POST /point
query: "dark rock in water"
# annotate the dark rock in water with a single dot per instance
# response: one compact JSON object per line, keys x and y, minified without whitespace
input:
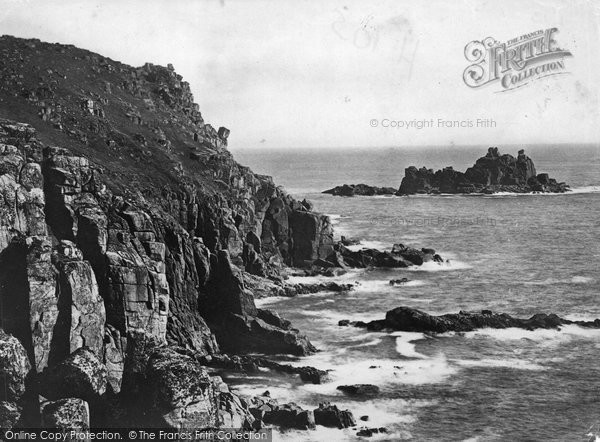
{"x":66,"y":414}
{"x":360,"y":389}
{"x":290,"y":416}
{"x":330,"y":415}
{"x":400,"y":256}
{"x":81,"y":376}
{"x":364,"y":418}
{"x":490,"y":174}
{"x":397,"y":282}
{"x":273,"y":318}
{"x":360,"y":190}
{"x":238,"y":333}
{"x":344,"y":322}
{"x":413,"y":320}
{"x":252,"y":364}
{"x":369,"y":432}
{"x":349,"y":241}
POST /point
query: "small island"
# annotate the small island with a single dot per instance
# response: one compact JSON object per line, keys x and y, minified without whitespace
{"x":491,"y":173}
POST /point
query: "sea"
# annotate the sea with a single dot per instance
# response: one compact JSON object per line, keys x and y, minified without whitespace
{"x":516,"y":254}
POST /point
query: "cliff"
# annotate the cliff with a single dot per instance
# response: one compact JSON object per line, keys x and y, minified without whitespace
{"x":126,"y":225}
{"x":492,"y":173}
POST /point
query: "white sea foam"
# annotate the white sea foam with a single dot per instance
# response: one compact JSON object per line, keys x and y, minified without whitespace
{"x":445,"y":266}
{"x":543,"y":337}
{"x":405,"y":344}
{"x":370,"y":244}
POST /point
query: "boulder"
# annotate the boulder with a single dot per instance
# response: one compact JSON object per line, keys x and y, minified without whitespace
{"x":70,"y":414}
{"x":81,"y":375}
{"x":359,"y":389}
{"x":290,"y":416}
{"x":10,"y":413}
{"x":180,"y":393}
{"x":14,"y":368}
{"x":329,"y":415}
{"x":359,"y":190}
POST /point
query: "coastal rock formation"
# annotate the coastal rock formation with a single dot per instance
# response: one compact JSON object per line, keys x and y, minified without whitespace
{"x":413,"y":320}
{"x":181,"y":394}
{"x":400,"y":256}
{"x":359,"y":190}
{"x":330,"y":415}
{"x":66,"y":414}
{"x":257,"y":364}
{"x":359,"y":389}
{"x":126,"y":226}
{"x":490,"y":174}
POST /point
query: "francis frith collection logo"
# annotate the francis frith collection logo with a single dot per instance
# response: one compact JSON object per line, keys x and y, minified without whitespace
{"x":516,"y":62}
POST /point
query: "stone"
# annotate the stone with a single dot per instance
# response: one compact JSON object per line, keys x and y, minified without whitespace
{"x":329,"y":415}
{"x":491,"y":173}
{"x":413,"y":320}
{"x":182,"y":394}
{"x":70,"y":414}
{"x":290,"y":416}
{"x":359,"y":189}
{"x":10,"y":413}
{"x":14,"y":368}
{"x":82,"y":375}
{"x":359,"y":389}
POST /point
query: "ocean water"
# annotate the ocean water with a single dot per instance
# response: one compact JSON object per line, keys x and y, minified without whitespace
{"x":519,"y":254}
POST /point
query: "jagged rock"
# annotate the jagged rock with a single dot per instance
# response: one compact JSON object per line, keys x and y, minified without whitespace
{"x":81,"y":309}
{"x":290,"y":416}
{"x":227,"y":293}
{"x":330,"y":415}
{"x":237,"y":333}
{"x":10,"y":413}
{"x":360,"y":189}
{"x":43,"y":300}
{"x":122,"y":208}
{"x":14,"y":368}
{"x":273,"y":318}
{"x":253,"y":364}
{"x":413,"y":320}
{"x":70,"y":414}
{"x":114,"y":357}
{"x":492,"y":173}
{"x":369,"y":432}
{"x":398,"y":282}
{"x":312,"y":237}
{"x":360,"y":389}
{"x":182,"y":394}
{"x":81,"y":375}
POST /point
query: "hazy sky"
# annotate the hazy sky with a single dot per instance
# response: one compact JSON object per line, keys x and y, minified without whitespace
{"x":314,"y":74}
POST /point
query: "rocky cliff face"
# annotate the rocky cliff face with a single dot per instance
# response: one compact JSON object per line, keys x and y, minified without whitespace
{"x":492,"y":173}
{"x":125,"y":225}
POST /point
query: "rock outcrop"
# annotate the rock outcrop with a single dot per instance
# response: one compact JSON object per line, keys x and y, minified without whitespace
{"x":359,"y":190}
{"x":490,"y":174}
{"x":400,"y":256}
{"x":413,"y":320}
{"x":127,"y":226}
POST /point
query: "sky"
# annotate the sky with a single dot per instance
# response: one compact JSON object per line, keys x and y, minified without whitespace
{"x":335,"y":74}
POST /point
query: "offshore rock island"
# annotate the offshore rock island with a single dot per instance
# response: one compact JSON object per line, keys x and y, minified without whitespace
{"x":132,"y":247}
{"x":490,"y":174}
